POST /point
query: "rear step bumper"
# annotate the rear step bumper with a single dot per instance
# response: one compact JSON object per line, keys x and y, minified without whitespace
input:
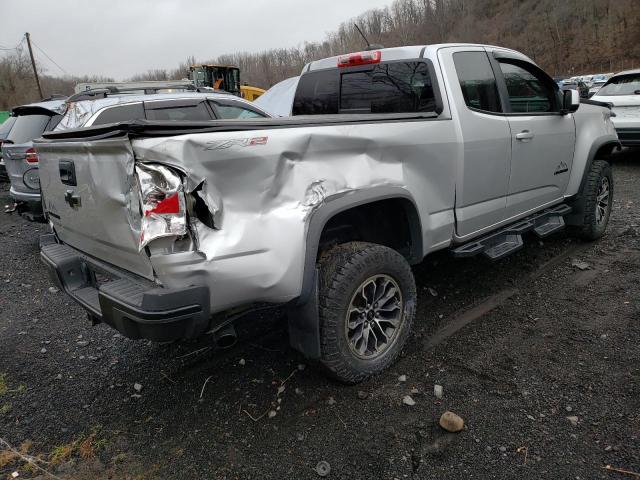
{"x":135,"y":309}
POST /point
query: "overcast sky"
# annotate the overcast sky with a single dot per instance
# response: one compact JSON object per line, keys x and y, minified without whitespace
{"x":120,"y":38}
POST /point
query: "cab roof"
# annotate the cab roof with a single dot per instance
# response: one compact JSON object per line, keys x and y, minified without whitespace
{"x":408,"y":53}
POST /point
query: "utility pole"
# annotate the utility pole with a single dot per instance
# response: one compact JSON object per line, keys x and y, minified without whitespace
{"x":33,"y":64}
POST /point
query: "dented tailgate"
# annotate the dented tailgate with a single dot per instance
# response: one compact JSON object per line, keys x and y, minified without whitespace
{"x":91,"y":195}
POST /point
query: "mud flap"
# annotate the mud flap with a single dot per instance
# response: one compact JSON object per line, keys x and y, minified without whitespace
{"x":304,"y":324}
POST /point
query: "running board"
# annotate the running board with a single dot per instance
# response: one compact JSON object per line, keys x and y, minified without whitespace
{"x":499,"y":244}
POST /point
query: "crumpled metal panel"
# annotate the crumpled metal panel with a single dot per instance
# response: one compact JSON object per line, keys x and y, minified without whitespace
{"x":262,"y":186}
{"x":77,"y":113}
{"x":106,"y":223}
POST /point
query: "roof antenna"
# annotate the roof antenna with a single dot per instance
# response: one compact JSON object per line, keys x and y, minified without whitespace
{"x":370,"y":46}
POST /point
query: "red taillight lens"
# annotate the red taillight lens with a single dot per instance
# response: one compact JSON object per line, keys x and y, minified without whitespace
{"x":359,"y":58}
{"x":162,"y":201}
{"x":168,"y":206}
{"x":31,"y":156}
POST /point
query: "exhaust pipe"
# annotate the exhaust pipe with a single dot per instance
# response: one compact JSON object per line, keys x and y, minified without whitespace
{"x":226,"y":337}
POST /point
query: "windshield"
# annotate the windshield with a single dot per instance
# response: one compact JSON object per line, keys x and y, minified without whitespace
{"x":622,"y":85}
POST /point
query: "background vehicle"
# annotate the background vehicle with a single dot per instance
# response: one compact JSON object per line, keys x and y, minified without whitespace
{"x":595,"y":87}
{"x":390,"y":155}
{"x":141,"y":87}
{"x":251,"y":93}
{"x":223,"y":77}
{"x":623,"y":91}
{"x":278,"y":100}
{"x":97,"y":107}
{"x":19,"y":156}
{"x":578,"y":85}
{"x":5,"y":128}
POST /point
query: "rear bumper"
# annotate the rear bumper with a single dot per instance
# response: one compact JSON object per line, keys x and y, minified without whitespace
{"x":134,"y":307}
{"x":33,"y":199}
{"x":629,"y":137}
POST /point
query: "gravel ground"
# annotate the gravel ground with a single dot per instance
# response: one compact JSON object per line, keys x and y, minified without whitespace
{"x":518,"y":347}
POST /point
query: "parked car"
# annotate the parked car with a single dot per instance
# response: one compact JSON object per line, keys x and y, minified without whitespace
{"x":389,"y":155}
{"x":578,"y":85}
{"x":102,"y":106}
{"x":278,"y":100}
{"x":5,"y":128}
{"x":623,"y":92}
{"x":596,"y":86}
{"x":20,"y":157}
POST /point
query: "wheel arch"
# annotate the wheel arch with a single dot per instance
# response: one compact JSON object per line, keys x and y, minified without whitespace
{"x":599,"y":150}
{"x":303,"y":322}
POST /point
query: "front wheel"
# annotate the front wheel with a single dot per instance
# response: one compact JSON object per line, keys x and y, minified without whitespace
{"x":367,"y":304}
{"x":598,"y":194}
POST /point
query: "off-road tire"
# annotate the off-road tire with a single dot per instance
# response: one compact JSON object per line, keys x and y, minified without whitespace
{"x":589,"y":228}
{"x":343,"y":269}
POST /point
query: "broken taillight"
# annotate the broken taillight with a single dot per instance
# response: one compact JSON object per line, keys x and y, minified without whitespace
{"x":31,"y":156}
{"x":359,"y":58}
{"x":162,"y":203}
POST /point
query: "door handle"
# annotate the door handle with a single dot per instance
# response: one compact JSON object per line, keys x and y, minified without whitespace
{"x":524,"y":136}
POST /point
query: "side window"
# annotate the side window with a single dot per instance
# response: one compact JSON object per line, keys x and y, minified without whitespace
{"x":477,"y":81}
{"x":122,"y":113}
{"x":177,"y":111}
{"x":528,"y":93}
{"x":233,"y":111}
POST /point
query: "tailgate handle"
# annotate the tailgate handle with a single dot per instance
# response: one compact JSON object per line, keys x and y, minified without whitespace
{"x":67,"y":172}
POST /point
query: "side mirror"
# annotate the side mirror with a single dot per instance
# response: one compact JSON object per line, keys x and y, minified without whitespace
{"x":570,"y":101}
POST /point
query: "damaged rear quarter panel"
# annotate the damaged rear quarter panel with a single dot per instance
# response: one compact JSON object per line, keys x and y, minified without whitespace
{"x":265,"y":184}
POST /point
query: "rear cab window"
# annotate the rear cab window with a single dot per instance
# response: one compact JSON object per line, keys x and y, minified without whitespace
{"x":394,"y":87}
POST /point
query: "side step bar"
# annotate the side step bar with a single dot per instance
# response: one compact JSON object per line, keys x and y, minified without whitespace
{"x":499,"y":244}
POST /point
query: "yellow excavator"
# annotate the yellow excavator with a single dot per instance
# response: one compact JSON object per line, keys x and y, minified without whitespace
{"x":223,"y":77}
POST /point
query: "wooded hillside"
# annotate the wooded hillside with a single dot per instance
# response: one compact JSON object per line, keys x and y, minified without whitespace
{"x":565,"y":37}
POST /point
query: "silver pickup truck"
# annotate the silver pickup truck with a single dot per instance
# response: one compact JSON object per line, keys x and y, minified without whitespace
{"x":170,"y":230}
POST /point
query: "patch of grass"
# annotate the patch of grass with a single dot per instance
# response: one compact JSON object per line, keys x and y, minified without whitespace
{"x":62,"y":453}
{"x":5,"y":408}
{"x":4,"y":386}
{"x":84,"y":447}
{"x":7,"y":457}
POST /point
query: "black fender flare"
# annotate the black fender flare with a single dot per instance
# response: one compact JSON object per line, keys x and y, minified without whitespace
{"x":577,"y":201}
{"x":303,"y":322}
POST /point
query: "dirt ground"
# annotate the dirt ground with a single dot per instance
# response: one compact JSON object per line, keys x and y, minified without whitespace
{"x":518,"y":346}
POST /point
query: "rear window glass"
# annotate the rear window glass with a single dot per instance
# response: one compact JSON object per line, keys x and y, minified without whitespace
{"x":120,"y":113}
{"x":396,"y":87}
{"x":317,"y":93}
{"x":193,"y":112}
{"x":389,"y":88}
{"x":5,"y":128}
{"x":232,"y":111}
{"x":622,"y":85}
{"x":28,"y":127}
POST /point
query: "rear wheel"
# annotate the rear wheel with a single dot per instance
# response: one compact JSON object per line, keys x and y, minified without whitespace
{"x":598,"y":194}
{"x":367,"y":302}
